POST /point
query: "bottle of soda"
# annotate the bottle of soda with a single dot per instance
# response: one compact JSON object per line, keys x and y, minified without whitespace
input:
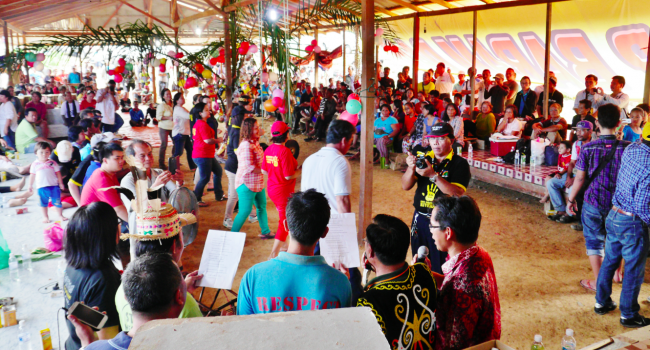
{"x":517,"y":158}
{"x":523,"y":159}
{"x":568,"y":341}
{"x":13,"y":268}
{"x":537,"y":345}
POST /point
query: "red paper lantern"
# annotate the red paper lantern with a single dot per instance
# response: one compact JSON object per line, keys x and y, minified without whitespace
{"x":386,"y":48}
{"x":118,"y":70}
{"x":314,"y":42}
{"x":180,"y":55}
{"x":118,"y":78}
{"x":111,"y":72}
{"x":213,"y":61}
{"x":309,"y":48}
{"x":121,"y":62}
{"x":199,"y":68}
{"x":395,"y":48}
{"x":221,"y":59}
{"x":162,"y":68}
{"x":31,"y":64}
{"x":245,"y":45}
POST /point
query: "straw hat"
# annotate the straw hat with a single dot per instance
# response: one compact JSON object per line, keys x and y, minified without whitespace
{"x":159,"y":223}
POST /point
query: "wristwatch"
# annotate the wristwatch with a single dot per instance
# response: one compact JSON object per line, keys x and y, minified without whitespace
{"x":434,"y":178}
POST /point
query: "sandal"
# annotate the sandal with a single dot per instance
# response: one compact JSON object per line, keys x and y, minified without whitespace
{"x":202,"y":204}
{"x":266,"y":236}
{"x":223,"y":198}
{"x":554,"y":217}
{"x":585,"y":284}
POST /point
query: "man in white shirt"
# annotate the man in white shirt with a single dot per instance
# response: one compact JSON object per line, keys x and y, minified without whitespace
{"x":444,"y":80}
{"x":328,"y":172}
{"x":485,"y":83}
{"x":161,"y":182}
{"x":8,"y":119}
{"x":70,"y":110}
{"x":589,"y":93}
{"x":107,"y":104}
{"x":617,"y":97}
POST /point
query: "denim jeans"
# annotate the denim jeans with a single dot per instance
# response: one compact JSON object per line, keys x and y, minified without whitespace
{"x":627,"y":239}
{"x":555,"y":189}
{"x":183,"y":142}
{"x":593,"y":228}
{"x":114,"y":128}
{"x":206,"y":167}
{"x":10,"y":138}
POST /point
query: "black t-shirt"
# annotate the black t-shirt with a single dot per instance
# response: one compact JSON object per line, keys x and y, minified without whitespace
{"x":233,"y":143}
{"x":549,"y":122}
{"x":456,"y":171}
{"x":555,"y":97}
{"x":94,"y":288}
{"x":498,"y":95}
{"x":80,"y":174}
{"x":403,"y":86}
{"x":306,"y":98}
{"x":387,"y":82}
{"x":589,"y":117}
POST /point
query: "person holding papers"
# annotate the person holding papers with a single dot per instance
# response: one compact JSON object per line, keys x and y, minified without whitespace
{"x":297,"y":279}
{"x":328,"y":172}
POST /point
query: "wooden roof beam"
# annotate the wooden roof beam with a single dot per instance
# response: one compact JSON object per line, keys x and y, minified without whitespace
{"x":7,"y":15}
{"x":41,"y":16}
{"x":242,"y":3}
{"x":145,"y":13}
{"x":186,"y":20}
{"x":56,"y":16}
{"x":407,"y":4}
{"x":112,"y":15}
{"x":443,"y":3}
{"x":214,"y":7}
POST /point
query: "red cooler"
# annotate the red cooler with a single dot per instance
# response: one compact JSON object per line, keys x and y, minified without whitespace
{"x":500,"y":148}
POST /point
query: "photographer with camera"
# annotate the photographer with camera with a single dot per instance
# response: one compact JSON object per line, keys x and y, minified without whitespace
{"x":438,"y":172}
{"x":107,"y":105}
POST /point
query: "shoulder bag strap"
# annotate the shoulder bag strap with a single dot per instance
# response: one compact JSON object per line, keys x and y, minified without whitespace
{"x":601,"y":166}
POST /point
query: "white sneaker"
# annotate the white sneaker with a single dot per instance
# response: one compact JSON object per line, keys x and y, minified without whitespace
{"x":227,"y":223}
{"x":252,"y":219}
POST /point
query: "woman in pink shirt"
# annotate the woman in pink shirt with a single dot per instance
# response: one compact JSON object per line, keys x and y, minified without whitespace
{"x":41,"y":108}
{"x":203,"y":151}
{"x":249,"y":179}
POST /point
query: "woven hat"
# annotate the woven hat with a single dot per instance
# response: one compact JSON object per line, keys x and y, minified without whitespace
{"x":159,"y":223}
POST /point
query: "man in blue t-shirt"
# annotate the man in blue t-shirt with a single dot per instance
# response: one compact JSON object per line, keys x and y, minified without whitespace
{"x":297,"y":280}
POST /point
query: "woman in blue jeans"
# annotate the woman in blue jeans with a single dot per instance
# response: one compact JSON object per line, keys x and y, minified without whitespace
{"x":181,"y":130}
{"x":203,"y":154}
{"x":249,"y":179}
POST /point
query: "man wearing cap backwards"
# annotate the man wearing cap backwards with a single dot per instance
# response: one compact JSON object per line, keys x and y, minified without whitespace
{"x":627,"y":234}
{"x":282,"y":170}
{"x":438,"y":172}
{"x":161,"y":180}
{"x":597,"y":188}
{"x":556,"y":186}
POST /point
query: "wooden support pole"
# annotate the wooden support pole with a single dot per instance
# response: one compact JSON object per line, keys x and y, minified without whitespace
{"x":6,"y":34}
{"x":26,"y":66}
{"x":368,"y":86}
{"x":547,"y":57}
{"x":316,"y":61}
{"x":646,"y":88}
{"x":472,"y":82}
{"x":228,"y":53}
{"x":416,"y":51}
{"x":344,"y":62}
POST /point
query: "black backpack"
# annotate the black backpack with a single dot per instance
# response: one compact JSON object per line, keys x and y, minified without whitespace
{"x":523,"y":146}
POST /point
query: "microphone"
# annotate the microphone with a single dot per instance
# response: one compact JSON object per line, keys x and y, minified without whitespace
{"x":423,"y":252}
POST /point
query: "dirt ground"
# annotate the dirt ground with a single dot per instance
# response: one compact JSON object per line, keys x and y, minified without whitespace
{"x":538,"y":263}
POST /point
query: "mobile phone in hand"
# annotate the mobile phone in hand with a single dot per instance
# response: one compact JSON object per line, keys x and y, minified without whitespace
{"x":88,"y":315}
{"x":173,"y":165}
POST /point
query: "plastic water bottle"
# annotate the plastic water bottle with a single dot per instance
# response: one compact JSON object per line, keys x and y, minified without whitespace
{"x":27,"y":258}
{"x":568,"y":341}
{"x":470,"y":151}
{"x":533,"y":161}
{"x":459,"y":151}
{"x":24,"y":339}
{"x":13,"y":268}
{"x":537,"y":345}
{"x":523,"y":159}
{"x":516,"y":157}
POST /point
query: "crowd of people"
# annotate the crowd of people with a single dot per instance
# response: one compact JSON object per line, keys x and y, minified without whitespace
{"x":452,"y":293}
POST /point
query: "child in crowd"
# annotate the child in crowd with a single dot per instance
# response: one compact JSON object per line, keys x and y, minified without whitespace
{"x":46,"y":178}
{"x":563,"y":160}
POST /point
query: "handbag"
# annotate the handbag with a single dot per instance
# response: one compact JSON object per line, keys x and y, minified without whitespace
{"x":551,"y":154}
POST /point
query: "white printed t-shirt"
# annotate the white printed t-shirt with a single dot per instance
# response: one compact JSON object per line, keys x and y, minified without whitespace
{"x":44,"y":173}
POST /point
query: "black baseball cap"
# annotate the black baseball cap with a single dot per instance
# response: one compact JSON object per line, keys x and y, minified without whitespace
{"x":441,"y":130}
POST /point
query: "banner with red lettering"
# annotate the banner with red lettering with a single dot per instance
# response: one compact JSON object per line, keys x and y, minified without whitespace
{"x":600,"y":37}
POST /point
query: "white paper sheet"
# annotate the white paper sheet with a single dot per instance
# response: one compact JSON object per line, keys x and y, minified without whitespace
{"x":340,"y":244}
{"x":221,"y":256}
